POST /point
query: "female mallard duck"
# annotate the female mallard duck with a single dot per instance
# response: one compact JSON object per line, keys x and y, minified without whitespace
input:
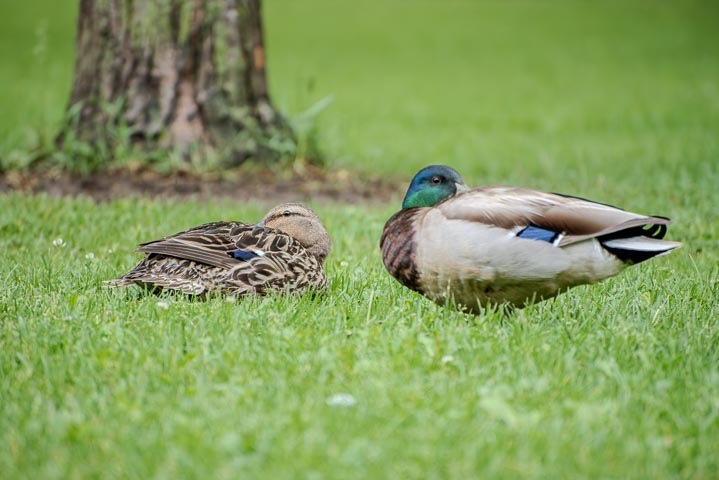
{"x":508,"y":245}
{"x":286,"y":251}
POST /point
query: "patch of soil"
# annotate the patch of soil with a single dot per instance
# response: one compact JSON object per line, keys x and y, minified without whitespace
{"x":263,"y":185}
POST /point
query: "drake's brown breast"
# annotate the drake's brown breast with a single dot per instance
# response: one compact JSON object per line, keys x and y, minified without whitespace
{"x":399,"y":247}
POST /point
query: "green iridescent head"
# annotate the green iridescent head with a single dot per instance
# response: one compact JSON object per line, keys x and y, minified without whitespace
{"x":431,"y":185}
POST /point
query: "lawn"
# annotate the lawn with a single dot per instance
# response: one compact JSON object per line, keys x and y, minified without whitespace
{"x":615,"y":101}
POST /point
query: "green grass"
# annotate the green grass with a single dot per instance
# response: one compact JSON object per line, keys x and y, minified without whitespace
{"x":616,"y":101}
{"x":615,"y":380}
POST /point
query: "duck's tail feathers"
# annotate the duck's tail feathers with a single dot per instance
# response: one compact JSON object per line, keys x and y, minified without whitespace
{"x":117,"y":282}
{"x":637,"y":249}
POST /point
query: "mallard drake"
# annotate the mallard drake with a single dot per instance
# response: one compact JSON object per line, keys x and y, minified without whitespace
{"x":286,"y":251}
{"x":509,"y":245}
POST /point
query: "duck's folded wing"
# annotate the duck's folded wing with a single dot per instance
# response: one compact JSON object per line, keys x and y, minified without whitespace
{"x":208,"y":233}
{"x":575,"y":219}
{"x":174,"y":247}
{"x":208,"y":244}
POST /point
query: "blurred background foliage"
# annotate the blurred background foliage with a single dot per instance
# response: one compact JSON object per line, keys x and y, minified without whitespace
{"x":506,"y":91}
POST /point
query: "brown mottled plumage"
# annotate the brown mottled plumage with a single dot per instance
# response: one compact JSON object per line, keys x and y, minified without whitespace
{"x":286,"y":251}
{"x":509,"y":245}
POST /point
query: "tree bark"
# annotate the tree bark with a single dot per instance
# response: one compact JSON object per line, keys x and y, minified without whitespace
{"x":186,"y":75}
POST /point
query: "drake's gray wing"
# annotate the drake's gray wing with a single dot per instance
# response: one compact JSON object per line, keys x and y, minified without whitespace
{"x":577,"y":219}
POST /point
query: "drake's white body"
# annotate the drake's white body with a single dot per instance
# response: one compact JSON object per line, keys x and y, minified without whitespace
{"x":489,"y":264}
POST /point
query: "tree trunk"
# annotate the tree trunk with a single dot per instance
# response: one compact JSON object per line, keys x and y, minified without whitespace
{"x":185,"y":75}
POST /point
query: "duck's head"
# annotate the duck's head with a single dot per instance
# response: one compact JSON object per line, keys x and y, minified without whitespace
{"x":302,"y":224}
{"x":431,"y":185}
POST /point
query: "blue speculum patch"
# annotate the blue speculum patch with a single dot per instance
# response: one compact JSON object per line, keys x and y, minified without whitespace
{"x":536,"y":233}
{"x":242,"y":254}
